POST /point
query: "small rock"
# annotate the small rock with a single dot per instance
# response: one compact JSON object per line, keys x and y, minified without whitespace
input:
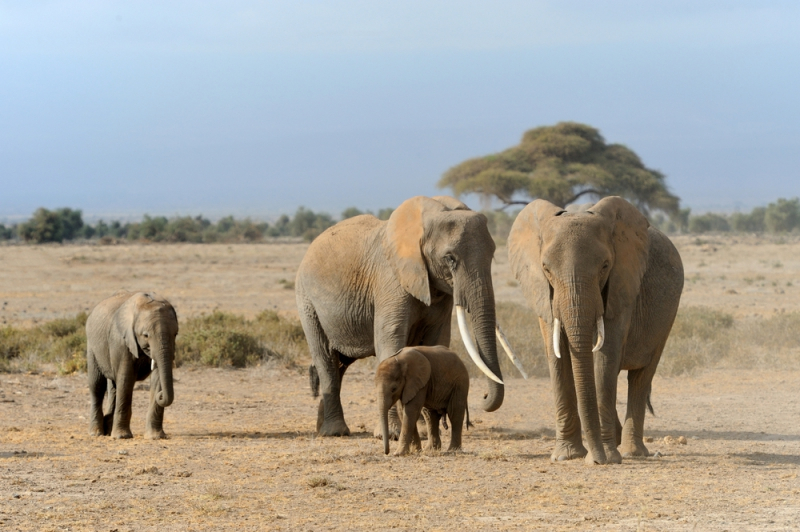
{"x":648,"y":439}
{"x":682,"y":440}
{"x":657,"y":454}
{"x":124,"y":453}
{"x":16,"y":495}
{"x":669,"y":440}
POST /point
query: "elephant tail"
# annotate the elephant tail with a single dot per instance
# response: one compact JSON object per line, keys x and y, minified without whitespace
{"x":650,"y":405}
{"x":313,"y":381}
{"x":468,"y":423}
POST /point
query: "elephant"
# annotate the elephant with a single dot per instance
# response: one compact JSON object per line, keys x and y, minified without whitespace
{"x":429,"y":377}
{"x":369,"y":288}
{"x":597,"y":271}
{"x":128,"y":336}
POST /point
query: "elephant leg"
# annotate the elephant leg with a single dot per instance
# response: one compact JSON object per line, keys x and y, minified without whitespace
{"x":121,"y":428}
{"x":568,"y":425}
{"x":97,"y":389}
{"x":408,"y":433}
{"x":111,"y":407}
{"x":390,"y":337}
{"x":330,"y":415}
{"x":155,"y":414}
{"x":639,"y":385}
{"x":457,"y":421}
{"x":344,"y":363}
{"x":432,"y":419}
{"x":606,"y":375}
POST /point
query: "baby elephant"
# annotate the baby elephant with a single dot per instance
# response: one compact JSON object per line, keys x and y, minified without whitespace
{"x":430,"y":377}
{"x":128,"y":336}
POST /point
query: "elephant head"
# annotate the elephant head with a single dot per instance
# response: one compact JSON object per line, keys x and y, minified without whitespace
{"x":580,"y":268}
{"x":438,"y":246}
{"x":399,"y":378}
{"x":149,"y":325}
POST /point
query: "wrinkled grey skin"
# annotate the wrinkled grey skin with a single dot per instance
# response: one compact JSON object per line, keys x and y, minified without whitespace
{"x":429,"y":377}
{"x":124,"y":334}
{"x":576,"y":266}
{"x":369,"y":288}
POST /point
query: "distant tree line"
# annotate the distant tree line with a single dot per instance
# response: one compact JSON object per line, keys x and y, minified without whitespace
{"x":67,"y":224}
{"x":781,"y":216}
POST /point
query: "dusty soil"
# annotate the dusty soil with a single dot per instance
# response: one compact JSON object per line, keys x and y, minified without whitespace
{"x":242,"y":455}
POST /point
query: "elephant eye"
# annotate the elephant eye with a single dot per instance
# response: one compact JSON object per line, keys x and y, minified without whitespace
{"x":605,"y":265}
{"x":146,"y":335}
{"x":451,"y":261}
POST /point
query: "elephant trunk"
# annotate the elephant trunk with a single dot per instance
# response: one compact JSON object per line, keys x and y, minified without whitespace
{"x":384,"y":404}
{"x":163,"y":355}
{"x":580,"y":318}
{"x":479,"y":299}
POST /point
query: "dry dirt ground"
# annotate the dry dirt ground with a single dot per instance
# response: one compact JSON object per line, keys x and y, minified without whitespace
{"x":242,"y":455}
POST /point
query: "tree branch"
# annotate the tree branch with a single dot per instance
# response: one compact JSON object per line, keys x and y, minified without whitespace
{"x":581,"y":193}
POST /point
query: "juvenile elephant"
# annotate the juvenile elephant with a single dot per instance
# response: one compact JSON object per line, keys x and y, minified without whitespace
{"x":368,"y":287}
{"x":129,"y":335}
{"x":597,"y":271}
{"x":430,"y":377}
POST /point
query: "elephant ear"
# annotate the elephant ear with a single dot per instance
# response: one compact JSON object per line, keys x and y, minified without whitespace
{"x":417,"y":372}
{"x":631,"y":243}
{"x":451,"y":203}
{"x":405,"y":231}
{"x":525,"y":251}
{"x":124,"y":322}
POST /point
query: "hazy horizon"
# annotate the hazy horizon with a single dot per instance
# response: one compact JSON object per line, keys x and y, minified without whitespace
{"x":254,"y":110}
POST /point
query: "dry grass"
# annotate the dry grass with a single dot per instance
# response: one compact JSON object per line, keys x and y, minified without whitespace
{"x":218,"y":339}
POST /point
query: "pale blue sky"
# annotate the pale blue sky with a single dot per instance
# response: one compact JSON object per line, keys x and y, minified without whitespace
{"x":255,"y":108}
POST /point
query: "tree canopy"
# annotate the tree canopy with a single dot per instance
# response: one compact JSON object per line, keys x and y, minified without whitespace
{"x":561,"y":164}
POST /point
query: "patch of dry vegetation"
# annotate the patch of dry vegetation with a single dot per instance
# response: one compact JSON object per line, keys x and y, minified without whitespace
{"x":218,"y":339}
{"x":701,"y":337}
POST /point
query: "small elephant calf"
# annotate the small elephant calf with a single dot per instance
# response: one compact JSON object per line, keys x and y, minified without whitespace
{"x":430,"y":377}
{"x":130,"y":336}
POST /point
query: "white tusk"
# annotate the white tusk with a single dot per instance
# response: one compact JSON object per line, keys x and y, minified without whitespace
{"x":510,"y":352}
{"x":470,"y":345}
{"x":557,"y":338}
{"x":601,"y":335}
{"x":152,"y":365}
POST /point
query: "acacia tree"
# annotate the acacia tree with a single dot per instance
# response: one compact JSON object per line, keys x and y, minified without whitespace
{"x":561,"y":164}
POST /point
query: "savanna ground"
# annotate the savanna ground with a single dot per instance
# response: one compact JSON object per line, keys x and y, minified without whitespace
{"x":242,"y":454}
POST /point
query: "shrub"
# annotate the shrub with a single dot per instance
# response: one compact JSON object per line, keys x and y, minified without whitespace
{"x":61,"y":343}
{"x":708,"y":222}
{"x":223,"y":339}
{"x":782,"y":216}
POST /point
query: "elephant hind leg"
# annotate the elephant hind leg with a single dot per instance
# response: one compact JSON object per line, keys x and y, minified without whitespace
{"x":639,"y":384}
{"x":330,"y":415}
{"x":97,"y":389}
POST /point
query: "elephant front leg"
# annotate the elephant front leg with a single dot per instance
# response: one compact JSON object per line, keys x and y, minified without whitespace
{"x":121,"y":428}
{"x":606,"y":374}
{"x":568,"y":425}
{"x":432,"y":418}
{"x":409,"y":437}
{"x":155,"y":414}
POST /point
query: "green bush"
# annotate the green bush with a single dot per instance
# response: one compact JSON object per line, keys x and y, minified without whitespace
{"x":59,"y":343}
{"x":223,"y":339}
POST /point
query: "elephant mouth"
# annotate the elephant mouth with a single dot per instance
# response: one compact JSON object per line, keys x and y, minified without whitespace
{"x":601,"y":333}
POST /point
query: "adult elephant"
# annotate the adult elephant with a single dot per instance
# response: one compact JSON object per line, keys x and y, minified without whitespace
{"x":369,"y":288}
{"x":597,"y":271}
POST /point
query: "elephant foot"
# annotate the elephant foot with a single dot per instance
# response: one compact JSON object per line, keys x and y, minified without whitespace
{"x":333,"y":428}
{"x":108,"y":424}
{"x":596,"y":458}
{"x":612,"y":455}
{"x":631,"y":449}
{"x":96,"y":431}
{"x":122,"y":434}
{"x":394,"y":431}
{"x":155,"y":435}
{"x":566,"y":450}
